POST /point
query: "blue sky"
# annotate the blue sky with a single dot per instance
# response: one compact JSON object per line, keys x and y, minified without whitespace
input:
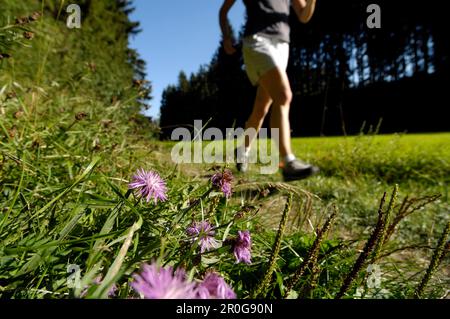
{"x":178,"y":35}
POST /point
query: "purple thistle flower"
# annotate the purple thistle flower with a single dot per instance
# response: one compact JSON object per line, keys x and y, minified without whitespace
{"x":215,"y":287}
{"x":149,"y":185}
{"x":204,"y":233}
{"x":223,"y":182}
{"x":242,"y":247}
{"x":226,"y":190}
{"x":156,"y":282}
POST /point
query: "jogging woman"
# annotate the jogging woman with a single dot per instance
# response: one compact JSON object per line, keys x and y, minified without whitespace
{"x":266,"y":53}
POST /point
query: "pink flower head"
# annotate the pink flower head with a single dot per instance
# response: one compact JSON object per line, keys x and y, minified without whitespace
{"x":242,"y":247}
{"x":149,"y":185}
{"x":223,"y":181}
{"x":156,"y":282}
{"x":204,"y":233}
{"x":215,"y":287}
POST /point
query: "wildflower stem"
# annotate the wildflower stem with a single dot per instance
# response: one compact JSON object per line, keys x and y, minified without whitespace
{"x":187,"y":209}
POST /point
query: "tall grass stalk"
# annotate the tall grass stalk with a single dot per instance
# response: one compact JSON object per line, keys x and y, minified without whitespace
{"x":387,"y":221}
{"x":367,"y":250}
{"x":260,"y":289}
{"x":438,"y":256}
{"x":312,"y":253}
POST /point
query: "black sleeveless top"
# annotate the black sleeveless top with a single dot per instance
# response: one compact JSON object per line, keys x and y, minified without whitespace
{"x":269,"y":18}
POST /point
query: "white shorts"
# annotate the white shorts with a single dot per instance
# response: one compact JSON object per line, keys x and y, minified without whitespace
{"x":262,"y":54}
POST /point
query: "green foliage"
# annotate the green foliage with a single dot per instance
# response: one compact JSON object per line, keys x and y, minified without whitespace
{"x":94,"y":59}
{"x":69,"y":102}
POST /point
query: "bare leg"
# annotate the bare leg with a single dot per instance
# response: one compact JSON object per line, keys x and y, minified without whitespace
{"x":261,"y":107}
{"x":276,"y":83}
{"x":275,"y":87}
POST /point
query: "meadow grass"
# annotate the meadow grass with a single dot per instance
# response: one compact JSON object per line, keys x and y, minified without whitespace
{"x":355,"y":172}
{"x":71,"y":138}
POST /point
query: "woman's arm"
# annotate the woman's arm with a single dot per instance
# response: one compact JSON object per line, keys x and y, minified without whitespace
{"x":304,"y":9}
{"x":225,"y":26}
